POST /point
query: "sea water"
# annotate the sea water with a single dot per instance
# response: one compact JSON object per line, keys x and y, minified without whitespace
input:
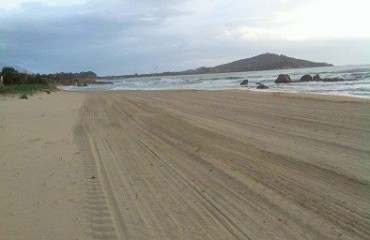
{"x":356,"y":81}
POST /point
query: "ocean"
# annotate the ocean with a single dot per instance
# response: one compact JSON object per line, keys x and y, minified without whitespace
{"x":356,"y":81}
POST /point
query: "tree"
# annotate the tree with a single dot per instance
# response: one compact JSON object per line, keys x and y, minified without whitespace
{"x":10,"y":75}
{"x":88,"y":74}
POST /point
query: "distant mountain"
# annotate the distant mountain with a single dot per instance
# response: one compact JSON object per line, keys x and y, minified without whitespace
{"x":267,"y":61}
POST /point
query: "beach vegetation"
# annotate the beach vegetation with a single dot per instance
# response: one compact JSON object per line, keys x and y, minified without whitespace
{"x":27,"y":89}
{"x":14,"y":82}
{"x":12,"y":77}
{"x":24,"y":84}
{"x":77,"y":79}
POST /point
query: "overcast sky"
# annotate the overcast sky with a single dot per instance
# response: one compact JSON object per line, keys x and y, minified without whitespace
{"x":144,"y":36}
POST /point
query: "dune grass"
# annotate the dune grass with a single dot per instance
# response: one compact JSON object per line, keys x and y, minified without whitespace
{"x":26,"y":89}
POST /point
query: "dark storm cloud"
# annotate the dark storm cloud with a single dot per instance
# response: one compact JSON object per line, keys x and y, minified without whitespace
{"x":90,"y":37}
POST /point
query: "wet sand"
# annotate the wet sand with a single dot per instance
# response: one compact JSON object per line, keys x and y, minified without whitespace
{"x":208,"y":165}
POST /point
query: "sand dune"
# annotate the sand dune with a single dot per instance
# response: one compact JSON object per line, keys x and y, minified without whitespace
{"x":226,"y":165}
{"x":184,"y":165}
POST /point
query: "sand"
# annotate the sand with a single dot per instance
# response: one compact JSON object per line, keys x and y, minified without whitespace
{"x":185,"y":165}
{"x":42,"y":183}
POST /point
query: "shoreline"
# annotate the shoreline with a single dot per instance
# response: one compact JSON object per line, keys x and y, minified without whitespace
{"x":221,"y":90}
{"x":266,"y":91}
{"x":184,"y":164}
{"x":351,"y":81}
{"x":314,"y":93}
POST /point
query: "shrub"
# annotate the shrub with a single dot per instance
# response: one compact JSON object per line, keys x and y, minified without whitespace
{"x":10,"y":75}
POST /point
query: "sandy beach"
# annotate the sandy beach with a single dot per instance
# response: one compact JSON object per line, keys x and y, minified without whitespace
{"x":184,"y":165}
{"x":42,"y":182}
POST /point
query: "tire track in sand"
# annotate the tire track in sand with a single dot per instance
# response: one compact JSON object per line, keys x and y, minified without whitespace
{"x":168,"y":170}
{"x":101,"y":223}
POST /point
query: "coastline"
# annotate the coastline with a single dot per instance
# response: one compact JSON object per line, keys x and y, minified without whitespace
{"x":326,"y":96}
{"x":351,"y":81}
{"x":186,"y":163}
{"x":308,"y":94}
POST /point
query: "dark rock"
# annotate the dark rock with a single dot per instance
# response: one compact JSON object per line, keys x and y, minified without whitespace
{"x":335,"y":79}
{"x":316,"y":77}
{"x":262,"y":86}
{"x":283,"y":78}
{"x":306,"y":78}
{"x":245,"y":82}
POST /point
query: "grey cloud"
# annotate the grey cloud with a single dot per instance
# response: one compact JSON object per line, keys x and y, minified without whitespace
{"x":117,"y":37}
{"x":69,"y":35}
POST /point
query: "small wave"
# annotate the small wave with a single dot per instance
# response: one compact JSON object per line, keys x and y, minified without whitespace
{"x":233,"y":78}
{"x":226,"y":78}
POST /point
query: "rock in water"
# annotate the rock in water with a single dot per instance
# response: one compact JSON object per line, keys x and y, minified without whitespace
{"x":317,"y":77}
{"x":283,"y":78}
{"x":262,"y":86}
{"x":245,"y":82}
{"x":335,"y":79}
{"x":306,"y":78}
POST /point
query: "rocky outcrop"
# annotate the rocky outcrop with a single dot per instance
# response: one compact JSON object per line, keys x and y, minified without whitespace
{"x":262,"y":86}
{"x":244,"y":82}
{"x":267,"y":61}
{"x":283,"y":78}
{"x":306,"y":78}
{"x":316,"y":78}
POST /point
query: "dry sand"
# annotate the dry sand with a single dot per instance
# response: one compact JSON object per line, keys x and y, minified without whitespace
{"x":185,"y":165}
{"x":42,"y":182}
